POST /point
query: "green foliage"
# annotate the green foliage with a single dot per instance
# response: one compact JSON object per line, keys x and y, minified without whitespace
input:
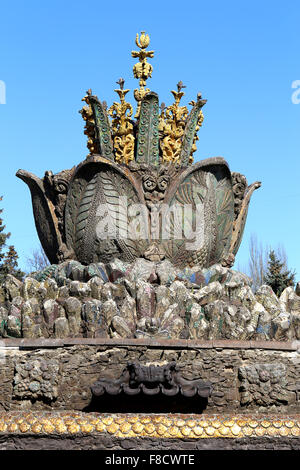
{"x":8,"y":255}
{"x":3,"y":236}
{"x":278,"y":276}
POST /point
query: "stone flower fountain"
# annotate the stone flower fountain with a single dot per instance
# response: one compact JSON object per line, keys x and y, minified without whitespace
{"x":138,"y":210}
{"x":139,"y":315}
{"x":138,"y":193}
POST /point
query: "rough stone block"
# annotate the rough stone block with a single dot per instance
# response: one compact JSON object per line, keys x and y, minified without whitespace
{"x":61,"y":328}
{"x":12,"y":287}
{"x":210,"y":293}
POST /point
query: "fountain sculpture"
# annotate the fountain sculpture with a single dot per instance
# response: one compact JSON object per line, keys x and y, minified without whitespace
{"x":139,"y":315}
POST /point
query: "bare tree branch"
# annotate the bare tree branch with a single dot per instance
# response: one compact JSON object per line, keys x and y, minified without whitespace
{"x":38,"y":261}
{"x":258,"y":260}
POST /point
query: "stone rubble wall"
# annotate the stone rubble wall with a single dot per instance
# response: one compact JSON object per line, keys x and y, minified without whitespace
{"x":41,"y":374}
{"x":145,"y":300}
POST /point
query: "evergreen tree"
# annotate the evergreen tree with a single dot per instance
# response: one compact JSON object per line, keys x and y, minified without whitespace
{"x":278,"y":276}
{"x":3,"y":236}
{"x":10,"y":263}
{"x":8,"y":256}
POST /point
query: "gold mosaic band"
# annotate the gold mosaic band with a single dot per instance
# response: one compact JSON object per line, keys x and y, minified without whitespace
{"x":155,"y":426}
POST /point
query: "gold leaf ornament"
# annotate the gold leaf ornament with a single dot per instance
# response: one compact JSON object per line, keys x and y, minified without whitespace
{"x":89,"y":129}
{"x":172,"y":126}
{"x":142,"y":70}
{"x":122,"y":128}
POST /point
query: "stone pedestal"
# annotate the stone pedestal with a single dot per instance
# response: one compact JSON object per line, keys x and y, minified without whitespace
{"x":46,"y":399}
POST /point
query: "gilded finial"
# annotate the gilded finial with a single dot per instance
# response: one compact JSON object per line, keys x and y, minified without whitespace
{"x":122,"y":128}
{"x":178,"y":94}
{"x":142,"y":70}
{"x":172,"y":126}
{"x":89,"y":129}
{"x":144,"y":40}
{"x":121,"y":92}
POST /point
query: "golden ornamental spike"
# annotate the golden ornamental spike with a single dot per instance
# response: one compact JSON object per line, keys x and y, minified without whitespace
{"x":142,"y":70}
{"x":89,"y":129}
{"x":172,"y":126}
{"x":122,"y":128}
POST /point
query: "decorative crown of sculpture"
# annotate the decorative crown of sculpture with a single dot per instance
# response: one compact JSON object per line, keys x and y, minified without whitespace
{"x":137,"y":193}
{"x":155,"y":138}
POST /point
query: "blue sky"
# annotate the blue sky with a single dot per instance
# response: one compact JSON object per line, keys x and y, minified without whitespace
{"x":242,"y":56}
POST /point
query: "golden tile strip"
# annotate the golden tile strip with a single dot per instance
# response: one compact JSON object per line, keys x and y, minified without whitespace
{"x":156,"y":426}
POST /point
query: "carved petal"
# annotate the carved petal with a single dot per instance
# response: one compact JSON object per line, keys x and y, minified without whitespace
{"x":100,"y":198}
{"x":239,"y":224}
{"x":102,"y":128}
{"x":189,"y":134}
{"x":147,"y":141}
{"x":44,"y":216}
{"x":204,"y":194}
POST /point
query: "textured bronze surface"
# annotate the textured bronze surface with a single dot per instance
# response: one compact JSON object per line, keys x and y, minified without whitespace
{"x":157,"y":426}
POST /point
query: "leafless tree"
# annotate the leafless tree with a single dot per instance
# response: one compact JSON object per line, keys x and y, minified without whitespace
{"x":258,"y":260}
{"x":37,"y":261}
